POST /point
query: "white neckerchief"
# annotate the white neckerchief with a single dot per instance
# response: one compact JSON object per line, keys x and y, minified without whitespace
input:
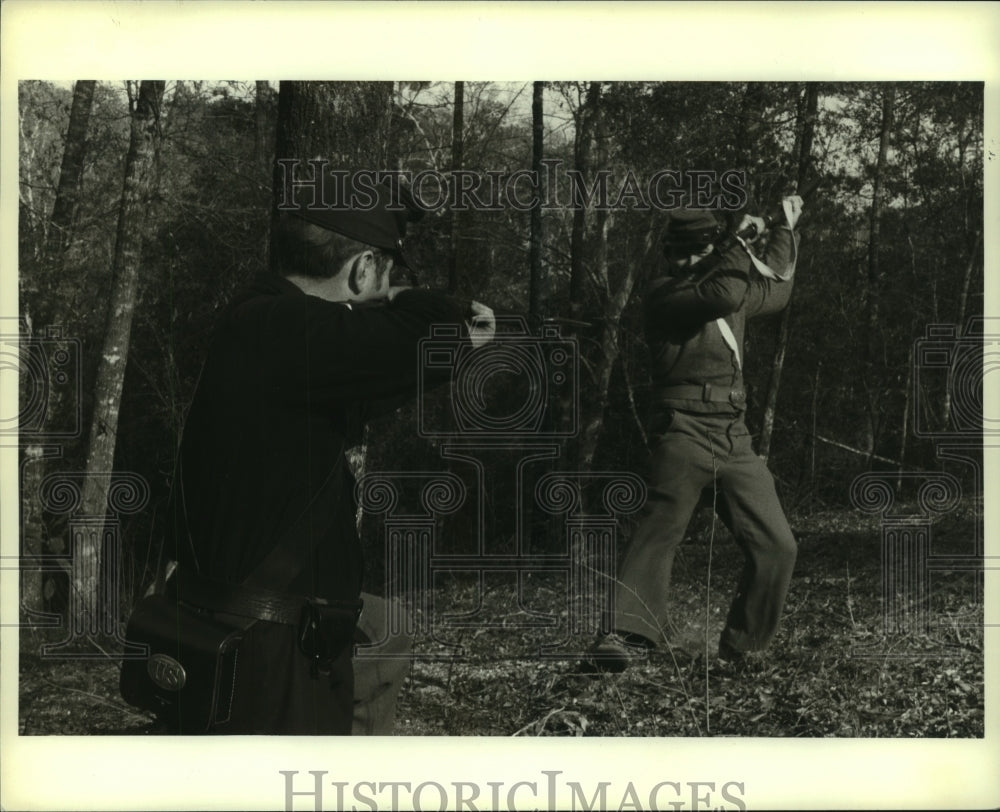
{"x":724,"y":328}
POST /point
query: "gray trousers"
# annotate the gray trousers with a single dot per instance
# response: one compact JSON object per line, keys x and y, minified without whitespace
{"x":378,"y":679}
{"x":692,"y":453}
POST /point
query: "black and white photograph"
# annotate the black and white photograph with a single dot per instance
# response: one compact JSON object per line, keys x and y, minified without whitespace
{"x":458,"y":406}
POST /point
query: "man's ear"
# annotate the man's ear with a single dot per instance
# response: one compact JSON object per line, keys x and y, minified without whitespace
{"x":362,"y":266}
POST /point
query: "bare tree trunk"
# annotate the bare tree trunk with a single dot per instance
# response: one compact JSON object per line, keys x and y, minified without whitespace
{"x":595,"y":404}
{"x":58,"y":239}
{"x":745,"y":135}
{"x":537,"y":238}
{"x":970,"y":267}
{"x":347,"y":124}
{"x":812,"y":437}
{"x":613,"y":304}
{"x":261,"y":140}
{"x":808,"y":130}
{"x":774,"y":383}
{"x":139,"y":182}
{"x":64,"y":211}
{"x":457,"y":158}
{"x":907,"y":401}
{"x":581,"y":163}
{"x":27,"y":215}
{"x":963,"y":301}
{"x":874,"y":269}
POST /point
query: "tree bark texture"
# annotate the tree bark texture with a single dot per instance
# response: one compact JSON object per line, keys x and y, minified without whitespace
{"x":873,"y":303}
{"x":457,"y":160}
{"x":64,"y":210}
{"x":612,"y":303}
{"x":139,"y":183}
{"x":537,"y":237}
{"x":582,"y":164}
{"x":262,"y":137}
{"x":595,"y":404}
{"x":805,"y":141}
{"x":347,"y":124}
{"x":963,"y":303}
{"x":58,"y":238}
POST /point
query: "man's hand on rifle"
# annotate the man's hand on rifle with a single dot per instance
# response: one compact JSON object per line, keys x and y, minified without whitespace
{"x":758,"y":223}
{"x":482,"y":325}
{"x":792,"y":207}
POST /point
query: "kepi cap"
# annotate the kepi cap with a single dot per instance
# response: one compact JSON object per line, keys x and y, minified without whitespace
{"x":691,"y":227}
{"x":378,"y":217}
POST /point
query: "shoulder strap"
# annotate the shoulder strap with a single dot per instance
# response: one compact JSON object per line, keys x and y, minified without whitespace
{"x":730,"y":339}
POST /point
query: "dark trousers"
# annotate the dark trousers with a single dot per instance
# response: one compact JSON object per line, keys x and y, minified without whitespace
{"x":357,"y":697}
{"x":277,"y":693}
{"x":692,"y":453}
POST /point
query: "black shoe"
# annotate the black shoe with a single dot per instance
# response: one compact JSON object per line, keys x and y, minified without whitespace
{"x":615,"y":652}
{"x":728,"y":654}
{"x":733,"y":662}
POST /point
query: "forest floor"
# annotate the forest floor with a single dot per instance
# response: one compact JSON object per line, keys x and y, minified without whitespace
{"x":831,"y":671}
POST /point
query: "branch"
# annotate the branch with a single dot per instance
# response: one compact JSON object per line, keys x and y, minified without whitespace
{"x":854,"y":450}
{"x":631,"y":402}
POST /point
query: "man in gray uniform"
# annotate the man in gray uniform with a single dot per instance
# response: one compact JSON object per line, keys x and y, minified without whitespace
{"x":694,"y":322}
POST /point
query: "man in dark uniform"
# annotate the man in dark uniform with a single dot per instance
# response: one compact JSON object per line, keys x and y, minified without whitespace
{"x":263,"y":504}
{"x":694,"y":322}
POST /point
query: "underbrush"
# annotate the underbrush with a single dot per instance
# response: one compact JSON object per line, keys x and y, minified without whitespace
{"x":501,"y":661}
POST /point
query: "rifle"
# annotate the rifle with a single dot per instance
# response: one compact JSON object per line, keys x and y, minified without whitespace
{"x":728,"y":239}
{"x":506,"y":317}
{"x":704,"y":267}
{"x":776,"y":215}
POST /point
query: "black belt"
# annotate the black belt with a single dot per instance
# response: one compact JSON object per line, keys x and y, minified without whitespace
{"x":704,"y":392}
{"x":253,"y":602}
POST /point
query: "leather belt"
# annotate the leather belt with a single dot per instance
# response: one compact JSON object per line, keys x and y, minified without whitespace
{"x":252,"y":602}
{"x":704,"y":392}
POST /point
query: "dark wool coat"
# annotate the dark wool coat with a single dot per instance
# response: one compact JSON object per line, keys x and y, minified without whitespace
{"x":287,"y":385}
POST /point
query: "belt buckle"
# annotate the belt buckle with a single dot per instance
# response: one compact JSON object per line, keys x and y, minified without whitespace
{"x":706,"y":392}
